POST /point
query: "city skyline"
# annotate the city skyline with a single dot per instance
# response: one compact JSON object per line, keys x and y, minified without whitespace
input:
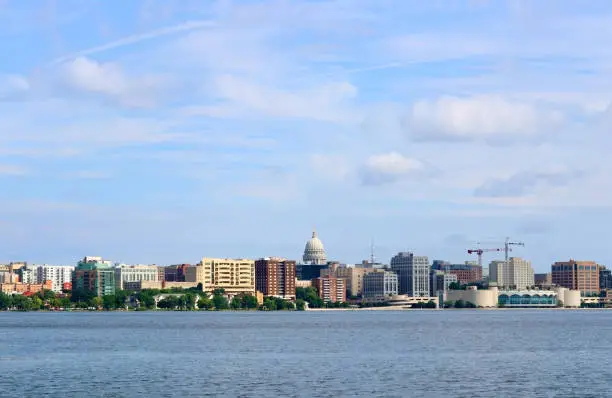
{"x":157,"y":133}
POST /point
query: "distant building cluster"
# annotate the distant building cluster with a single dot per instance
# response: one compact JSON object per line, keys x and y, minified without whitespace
{"x":407,"y":279}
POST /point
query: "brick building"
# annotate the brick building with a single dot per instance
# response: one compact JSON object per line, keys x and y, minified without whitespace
{"x":577,"y":275}
{"x":275,"y":277}
{"x":330,"y":289}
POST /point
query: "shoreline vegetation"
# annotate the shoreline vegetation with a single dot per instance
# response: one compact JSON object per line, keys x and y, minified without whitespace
{"x":194,"y":299}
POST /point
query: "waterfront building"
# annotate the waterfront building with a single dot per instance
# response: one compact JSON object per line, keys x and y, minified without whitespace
{"x":136,"y":286}
{"x":314,"y":252}
{"x":175,"y":273}
{"x":527,"y":298}
{"x":413,"y":274}
{"x":9,"y":277}
{"x":92,"y":274}
{"x":135,"y":273}
{"x":466,"y":273}
{"x":235,"y":276}
{"x":517,"y":273}
{"x":24,"y":288}
{"x":57,"y":274}
{"x":605,"y":278}
{"x":440,"y":281}
{"x":577,"y":275}
{"x":354,"y":278}
{"x":275,"y":277}
{"x":330,"y":289}
{"x":542,"y":280}
{"x":379,"y":284}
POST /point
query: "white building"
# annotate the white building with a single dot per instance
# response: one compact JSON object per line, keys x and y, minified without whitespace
{"x":413,"y":274}
{"x":136,"y":273}
{"x":314,"y":252}
{"x":57,"y":274}
{"x":379,"y":284}
{"x":517,"y":273}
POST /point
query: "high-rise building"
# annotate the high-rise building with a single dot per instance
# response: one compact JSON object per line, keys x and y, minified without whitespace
{"x":275,"y":277}
{"x":57,"y":274}
{"x":94,"y":275}
{"x":466,"y":273}
{"x":413,"y":274}
{"x":516,"y":274}
{"x":354,"y":278}
{"x":330,"y":289}
{"x":379,"y":284}
{"x":235,"y":276}
{"x":605,"y":278}
{"x":577,"y":275}
{"x":440,"y":281}
{"x":126,"y":274}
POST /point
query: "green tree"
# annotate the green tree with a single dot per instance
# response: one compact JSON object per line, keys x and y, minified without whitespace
{"x":269,"y":304}
{"x":109,"y":302}
{"x":37,"y":303}
{"x":95,"y":302}
{"x":249,"y":301}
{"x":22,"y":303}
{"x":236,"y":303}
{"x":6,"y":301}
{"x":190,"y":301}
{"x":121,"y":297}
{"x":300,"y":304}
{"x":459,"y":304}
{"x":205,"y":303}
{"x":290,"y":305}
{"x":455,"y":286}
{"x":81,"y":295}
{"x":220,"y":302}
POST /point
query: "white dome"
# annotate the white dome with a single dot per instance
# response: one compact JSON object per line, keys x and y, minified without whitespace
{"x":314,"y":252}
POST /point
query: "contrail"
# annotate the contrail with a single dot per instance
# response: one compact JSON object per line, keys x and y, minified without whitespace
{"x":184,"y":27}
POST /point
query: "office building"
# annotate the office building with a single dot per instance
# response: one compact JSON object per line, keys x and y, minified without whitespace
{"x":275,"y":277}
{"x":516,"y":274}
{"x":379,"y":284}
{"x":235,"y":276}
{"x":354,"y":278}
{"x":440,"y":281}
{"x":542,"y":280}
{"x":94,"y":275}
{"x":605,"y":278}
{"x":175,"y":273}
{"x":125,"y":275}
{"x":412,"y":272}
{"x":577,"y":275}
{"x":330,"y":289}
{"x":466,"y":273}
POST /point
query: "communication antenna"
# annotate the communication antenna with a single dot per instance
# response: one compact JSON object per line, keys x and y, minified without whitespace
{"x":372,"y":258}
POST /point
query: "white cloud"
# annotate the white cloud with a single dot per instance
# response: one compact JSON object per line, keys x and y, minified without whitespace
{"x":330,"y":102}
{"x":12,"y":170}
{"x":110,"y":81}
{"x":12,"y":86}
{"x":389,"y":167}
{"x":478,"y":117}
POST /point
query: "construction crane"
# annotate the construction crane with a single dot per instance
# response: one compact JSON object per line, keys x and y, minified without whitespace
{"x":507,"y":247}
{"x":480,"y":251}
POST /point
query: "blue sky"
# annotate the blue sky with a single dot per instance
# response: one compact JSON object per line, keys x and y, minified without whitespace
{"x":164,"y":131}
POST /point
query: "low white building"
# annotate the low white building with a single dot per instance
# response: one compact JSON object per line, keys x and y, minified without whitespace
{"x":136,"y":273}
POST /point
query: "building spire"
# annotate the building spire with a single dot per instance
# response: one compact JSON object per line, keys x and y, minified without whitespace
{"x":314,"y":231}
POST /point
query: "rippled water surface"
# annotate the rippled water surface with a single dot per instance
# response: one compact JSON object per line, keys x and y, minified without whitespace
{"x":324,"y":354}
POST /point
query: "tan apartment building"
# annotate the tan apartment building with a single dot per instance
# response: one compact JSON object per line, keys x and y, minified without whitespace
{"x":576,"y":275}
{"x":330,"y":289}
{"x":235,"y":276}
{"x":275,"y":277}
{"x":354,"y":278}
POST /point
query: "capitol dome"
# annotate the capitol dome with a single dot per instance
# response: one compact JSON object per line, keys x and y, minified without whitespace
{"x":314,"y":252}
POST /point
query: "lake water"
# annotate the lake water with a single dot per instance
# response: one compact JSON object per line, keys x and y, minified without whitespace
{"x":467,"y":353}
